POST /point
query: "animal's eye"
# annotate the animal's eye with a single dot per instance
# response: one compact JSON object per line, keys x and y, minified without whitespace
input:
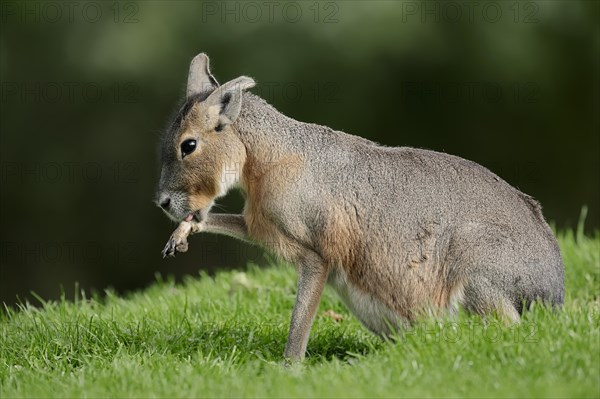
{"x":187,"y":147}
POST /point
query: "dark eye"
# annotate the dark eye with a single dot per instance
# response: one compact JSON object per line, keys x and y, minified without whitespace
{"x":187,"y":147}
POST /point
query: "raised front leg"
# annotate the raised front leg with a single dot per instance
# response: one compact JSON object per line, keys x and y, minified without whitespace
{"x":226,"y":224}
{"x":219,"y":223}
{"x":312,"y":275}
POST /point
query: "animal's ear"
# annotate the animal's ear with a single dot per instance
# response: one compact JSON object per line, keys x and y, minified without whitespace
{"x":200,"y":80}
{"x":227,"y":100}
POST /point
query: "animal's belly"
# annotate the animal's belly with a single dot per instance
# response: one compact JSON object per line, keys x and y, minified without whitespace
{"x":371,"y":312}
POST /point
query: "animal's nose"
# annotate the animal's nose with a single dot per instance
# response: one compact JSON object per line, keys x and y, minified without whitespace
{"x":165,"y":204}
{"x":164,"y":201}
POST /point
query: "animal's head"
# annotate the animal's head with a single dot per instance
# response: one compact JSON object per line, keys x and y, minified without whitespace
{"x":201,"y":154}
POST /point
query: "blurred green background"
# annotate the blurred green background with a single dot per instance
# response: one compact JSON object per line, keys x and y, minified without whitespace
{"x":87,"y":88}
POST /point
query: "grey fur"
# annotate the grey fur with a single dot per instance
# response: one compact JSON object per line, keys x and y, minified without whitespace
{"x":396,"y":231}
{"x":200,"y":80}
{"x":232,"y":93}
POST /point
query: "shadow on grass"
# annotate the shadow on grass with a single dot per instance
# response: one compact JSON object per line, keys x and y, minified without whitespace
{"x":341,"y":345}
{"x":245,"y":341}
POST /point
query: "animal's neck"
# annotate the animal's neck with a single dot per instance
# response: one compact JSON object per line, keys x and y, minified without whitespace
{"x":272,"y":148}
{"x":264,"y":131}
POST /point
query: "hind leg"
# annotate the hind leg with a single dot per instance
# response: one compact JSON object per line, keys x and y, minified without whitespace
{"x":483,"y":298}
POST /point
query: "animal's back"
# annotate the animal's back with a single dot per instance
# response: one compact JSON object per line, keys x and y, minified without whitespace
{"x":409,"y":227}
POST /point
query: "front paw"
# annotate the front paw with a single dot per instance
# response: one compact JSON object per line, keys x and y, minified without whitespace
{"x":178,"y":240}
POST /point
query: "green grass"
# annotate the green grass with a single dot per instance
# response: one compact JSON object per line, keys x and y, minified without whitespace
{"x":224,"y":336}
